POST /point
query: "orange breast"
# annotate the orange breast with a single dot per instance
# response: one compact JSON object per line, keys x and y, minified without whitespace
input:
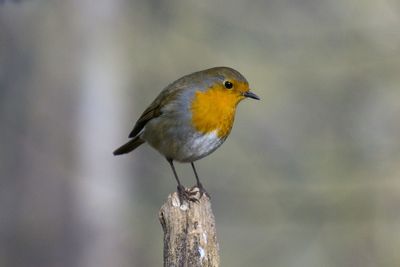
{"x":214,"y":109}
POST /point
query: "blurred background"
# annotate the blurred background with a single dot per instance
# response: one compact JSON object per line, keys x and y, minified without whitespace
{"x":310,"y":175}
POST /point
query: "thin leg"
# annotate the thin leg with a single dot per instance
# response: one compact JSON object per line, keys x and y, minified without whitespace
{"x":183,"y":195}
{"x":199,"y":185}
{"x":195,"y":174}
{"x":174,"y":171}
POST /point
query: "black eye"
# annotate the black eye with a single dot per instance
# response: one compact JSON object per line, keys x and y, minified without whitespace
{"x":228,"y":85}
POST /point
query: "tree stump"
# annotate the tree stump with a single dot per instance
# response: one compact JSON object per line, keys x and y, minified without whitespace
{"x":190,"y":237}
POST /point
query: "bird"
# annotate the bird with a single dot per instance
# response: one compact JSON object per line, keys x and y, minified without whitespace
{"x":191,"y":118}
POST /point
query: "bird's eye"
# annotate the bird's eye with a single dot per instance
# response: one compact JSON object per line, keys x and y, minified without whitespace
{"x":228,"y":85}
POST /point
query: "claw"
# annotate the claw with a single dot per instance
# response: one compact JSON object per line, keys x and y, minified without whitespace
{"x":186,"y":195}
{"x":199,"y":191}
{"x":203,"y":191}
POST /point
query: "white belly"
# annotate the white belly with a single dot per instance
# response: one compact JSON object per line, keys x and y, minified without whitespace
{"x":187,"y":148}
{"x":201,"y":145}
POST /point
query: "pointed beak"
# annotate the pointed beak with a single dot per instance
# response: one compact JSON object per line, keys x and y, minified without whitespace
{"x":251,"y":95}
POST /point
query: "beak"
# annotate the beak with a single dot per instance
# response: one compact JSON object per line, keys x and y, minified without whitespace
{"x":251,"y":95}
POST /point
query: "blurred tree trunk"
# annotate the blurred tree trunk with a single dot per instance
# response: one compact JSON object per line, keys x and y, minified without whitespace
{"x":58,"y":205}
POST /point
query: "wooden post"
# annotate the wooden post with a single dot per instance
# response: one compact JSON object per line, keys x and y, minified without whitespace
{"x":190,"y":238}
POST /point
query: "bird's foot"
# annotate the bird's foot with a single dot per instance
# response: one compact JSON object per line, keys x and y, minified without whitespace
{"x":200,"y":189}
{"x":186,"y":195}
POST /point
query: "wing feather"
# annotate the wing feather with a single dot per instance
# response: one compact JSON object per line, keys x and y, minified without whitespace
{"x":155,"y":108}
{"x":153,"y":111}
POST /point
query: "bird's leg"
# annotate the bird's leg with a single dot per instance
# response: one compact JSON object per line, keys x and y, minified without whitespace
{"x":202,"y":190}
{"x":182,"y":193}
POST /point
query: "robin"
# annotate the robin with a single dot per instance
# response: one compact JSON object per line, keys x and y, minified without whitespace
{"x":191,"y":118}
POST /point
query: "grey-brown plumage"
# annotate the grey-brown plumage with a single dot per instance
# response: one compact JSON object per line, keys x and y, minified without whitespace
{"x":168,"y":126}
{"x":128,"y":147}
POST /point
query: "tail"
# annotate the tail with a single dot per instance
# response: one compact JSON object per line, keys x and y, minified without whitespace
{"x":128,"y":147}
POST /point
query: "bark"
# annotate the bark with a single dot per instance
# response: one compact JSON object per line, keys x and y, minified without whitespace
{"x":190,"y":237}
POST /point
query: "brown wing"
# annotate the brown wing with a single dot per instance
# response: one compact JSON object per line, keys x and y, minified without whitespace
{"x":154,"y":110}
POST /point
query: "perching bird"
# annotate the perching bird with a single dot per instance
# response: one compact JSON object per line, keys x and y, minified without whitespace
{"x":191,"y":118}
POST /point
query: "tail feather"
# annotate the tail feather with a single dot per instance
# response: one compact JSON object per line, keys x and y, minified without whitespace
{"x":128,"y":147}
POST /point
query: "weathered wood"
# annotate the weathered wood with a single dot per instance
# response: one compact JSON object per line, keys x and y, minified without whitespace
{"x":190,"y":238}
